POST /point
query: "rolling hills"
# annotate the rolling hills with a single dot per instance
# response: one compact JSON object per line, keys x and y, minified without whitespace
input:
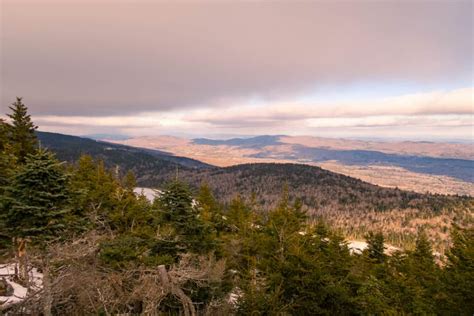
{"x":352,"y":205}
{"x":446,"y":168}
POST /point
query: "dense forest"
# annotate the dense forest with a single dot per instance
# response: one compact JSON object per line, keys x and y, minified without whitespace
{"x":346,"y":203}
{"x":245,"y":243}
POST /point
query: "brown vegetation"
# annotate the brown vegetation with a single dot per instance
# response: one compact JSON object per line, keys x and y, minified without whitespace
{"x":388,"y":176}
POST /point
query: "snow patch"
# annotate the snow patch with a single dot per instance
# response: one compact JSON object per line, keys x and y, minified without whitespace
{"x":150,"y":194}
{"x":7,"y":271}
{"x":358,"y":246}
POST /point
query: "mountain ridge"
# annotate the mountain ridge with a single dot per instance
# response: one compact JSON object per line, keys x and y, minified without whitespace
{"x":419,"y":166}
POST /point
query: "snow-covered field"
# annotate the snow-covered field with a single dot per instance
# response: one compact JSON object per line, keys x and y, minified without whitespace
{"x":7,"y":272}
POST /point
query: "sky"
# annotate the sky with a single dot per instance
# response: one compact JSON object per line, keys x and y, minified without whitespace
{"x":357,"y":69}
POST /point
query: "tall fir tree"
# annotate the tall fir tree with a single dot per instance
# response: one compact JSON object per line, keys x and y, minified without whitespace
{"x":4,"y":129}
{"x":35,"y":209}
{"x":37,"y":198}
{"x":423,"y":249}
{"x":7,"y":169}
{"x":97,"y":188}
{"x":22,"y":131}
{"x":210,"y":210}
{"x":375,"y":246}
{"x":179,"y":212}
{"x":458,"y":276}
{"x":7,"y":159}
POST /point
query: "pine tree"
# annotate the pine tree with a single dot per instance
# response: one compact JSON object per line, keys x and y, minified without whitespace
{"x":423,"y":249}
{"x":129,"y":181}
{"x":4,"y":130}
{"x":210,"y":211}
{"x":179,"y":212}
{"x":7,"y":159}
{"x":418,"y":276}
{"x":375,"y":246}
{"x":7,"y":170}
{"x":97,"y":190}
{"x":38,"y":197}
{"x":22,"y":132}
{"x":35,"y":210}
{"x":458,"y":276}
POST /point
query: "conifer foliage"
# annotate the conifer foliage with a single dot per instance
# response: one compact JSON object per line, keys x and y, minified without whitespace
{"x":179,"y":211}
{"x":22,"y":131}
{"x":106,"y":250}
{"x":37,"y":198}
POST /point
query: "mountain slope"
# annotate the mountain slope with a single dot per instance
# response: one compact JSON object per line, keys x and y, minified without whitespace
{"x":446,"y":168}
{"x":140,"y":160}
{"x":352,"y":205}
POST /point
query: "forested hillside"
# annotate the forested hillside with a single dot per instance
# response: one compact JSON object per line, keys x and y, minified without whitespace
{"x":76,"y":240}
{"x":347,"y":203}
{"x":436,"y":167}
{"x":70,"y":148}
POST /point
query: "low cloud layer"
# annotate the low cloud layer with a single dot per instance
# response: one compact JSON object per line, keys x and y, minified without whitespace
{"x":459,"y":102}
{"x":426,"y":115}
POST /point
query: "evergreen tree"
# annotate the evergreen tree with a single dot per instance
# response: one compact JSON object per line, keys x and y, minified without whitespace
{"x":129,"y":181}
{"x":35,"y":209}
{"x":4,"y":131}
{"x":22,"y":132}
{"x":423,"y":249}
{"x":97,"y":190}
{"x":240,"y":216}
{"x":375,"y":246}
{"x":421,"y":278}
{"x":210,"y":211}
{"x":7,"y":159}
{"x":180,"y":214}
{"x":7,"y":170}
{"x":37,"y":198}
{"x":458,"y":277}
{"x":303,"y":273}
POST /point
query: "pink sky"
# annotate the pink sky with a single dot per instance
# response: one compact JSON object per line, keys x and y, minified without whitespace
{"x":229,"y":67}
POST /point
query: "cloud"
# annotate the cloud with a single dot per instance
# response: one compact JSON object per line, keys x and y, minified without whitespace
{"x":428,"y":115}
{"x":115,"y":58}
{"x":457,"y":102}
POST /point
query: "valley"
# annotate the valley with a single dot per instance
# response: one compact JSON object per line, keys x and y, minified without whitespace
{"x":444,"y":168}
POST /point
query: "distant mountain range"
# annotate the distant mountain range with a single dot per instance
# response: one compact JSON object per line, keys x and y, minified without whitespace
{"x":418,"y":166}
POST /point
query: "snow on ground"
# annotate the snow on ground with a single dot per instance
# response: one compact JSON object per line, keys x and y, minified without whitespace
{"x":7,"y":271}
{"x":357,"y":246}
{"x":150,"y":194}
{"x":234,"y":296}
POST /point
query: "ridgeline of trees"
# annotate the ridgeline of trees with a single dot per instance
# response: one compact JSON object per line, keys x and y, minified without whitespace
{"x":346,"y":203}
{"x":104,"y":250}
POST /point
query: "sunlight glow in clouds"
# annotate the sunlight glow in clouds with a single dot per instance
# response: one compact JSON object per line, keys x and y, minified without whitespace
{"x":423,"y":112}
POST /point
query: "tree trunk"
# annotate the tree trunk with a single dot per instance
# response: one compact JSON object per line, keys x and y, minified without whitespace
{"x":21,"y":254}
{"x":47,"y":296}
